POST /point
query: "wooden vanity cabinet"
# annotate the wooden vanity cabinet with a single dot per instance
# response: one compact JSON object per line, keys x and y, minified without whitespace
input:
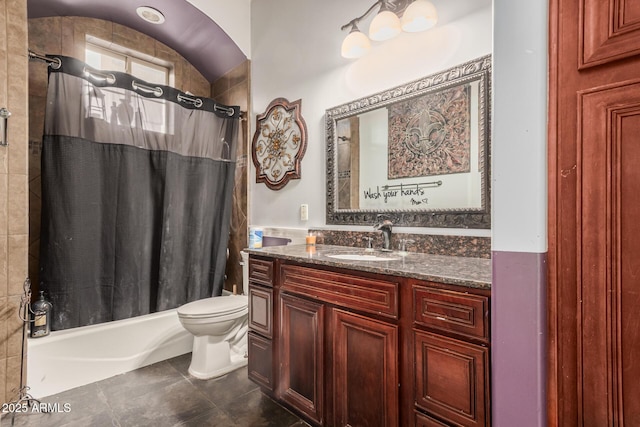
{"x":337,"y":368}
{"x":338,"y":346}
{"x":350,"y":348}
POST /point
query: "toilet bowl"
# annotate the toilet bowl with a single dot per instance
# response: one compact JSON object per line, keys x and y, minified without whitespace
{"x":219,"y":326}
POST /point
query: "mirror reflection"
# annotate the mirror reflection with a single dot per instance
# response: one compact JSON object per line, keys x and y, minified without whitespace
{"x":419,"y":152}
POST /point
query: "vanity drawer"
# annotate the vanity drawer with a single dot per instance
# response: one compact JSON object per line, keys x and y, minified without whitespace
{"x":261,"y":271}
{"x":360,"y":293}
{"x":452,"y":311}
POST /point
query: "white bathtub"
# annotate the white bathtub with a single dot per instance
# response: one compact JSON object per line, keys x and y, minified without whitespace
{"x":74,"y":357}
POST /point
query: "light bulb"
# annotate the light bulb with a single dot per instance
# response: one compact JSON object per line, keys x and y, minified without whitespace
{"x":355,"y":44}
{"x":385,"y":26}
{"x":419,"y":16}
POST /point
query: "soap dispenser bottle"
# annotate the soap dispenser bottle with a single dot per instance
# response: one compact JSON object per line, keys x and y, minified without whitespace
{"x":41,"y":323}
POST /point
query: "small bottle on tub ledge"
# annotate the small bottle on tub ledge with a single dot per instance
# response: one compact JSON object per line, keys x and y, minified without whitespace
{"x":41,"y":323}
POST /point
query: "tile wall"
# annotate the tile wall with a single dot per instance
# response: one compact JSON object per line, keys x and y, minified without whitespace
{"x":233,"y":89}
{"x":14,"y":225}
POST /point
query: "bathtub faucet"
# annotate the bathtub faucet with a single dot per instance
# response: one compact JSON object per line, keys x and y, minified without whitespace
{"x":384,"y":225}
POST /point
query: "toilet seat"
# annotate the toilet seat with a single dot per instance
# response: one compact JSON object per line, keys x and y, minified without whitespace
{"x":214,"y":307}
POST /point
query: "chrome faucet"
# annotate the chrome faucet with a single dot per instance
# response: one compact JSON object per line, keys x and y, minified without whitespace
{"x":384,"y":224}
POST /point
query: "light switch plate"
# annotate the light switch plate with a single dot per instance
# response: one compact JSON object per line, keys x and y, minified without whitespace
{"x":304,"y":212}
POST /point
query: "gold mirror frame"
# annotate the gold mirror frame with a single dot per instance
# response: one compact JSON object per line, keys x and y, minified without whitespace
{"x":279,"y":143}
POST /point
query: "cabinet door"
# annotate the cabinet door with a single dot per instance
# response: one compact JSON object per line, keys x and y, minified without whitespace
{"x":301,"y":355}
{"x":452,"y":379}
{"x":261,"y":310}
{"x":260,"y":364}
{"x":365,"y":378}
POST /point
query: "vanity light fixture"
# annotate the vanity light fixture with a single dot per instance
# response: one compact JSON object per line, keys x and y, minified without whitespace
{"x":417,"y":15}
{"x":420,"y":15}
{"x":386,"y":24}
{"x":356,"y":44}
{"x":150,"y":14}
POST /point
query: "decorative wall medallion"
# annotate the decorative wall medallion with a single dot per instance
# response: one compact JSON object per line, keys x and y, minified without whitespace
{"x":279,"y":143}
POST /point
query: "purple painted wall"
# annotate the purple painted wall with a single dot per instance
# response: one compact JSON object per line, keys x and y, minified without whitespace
{"x":519,"y":335}
{"x":186,"y":30}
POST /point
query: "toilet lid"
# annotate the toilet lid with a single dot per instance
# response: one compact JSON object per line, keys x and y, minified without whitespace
{"x":216,"y":306}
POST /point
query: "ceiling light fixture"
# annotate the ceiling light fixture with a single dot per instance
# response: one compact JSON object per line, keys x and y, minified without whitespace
{"x":417,"y":15}
{"x":150,"y":14}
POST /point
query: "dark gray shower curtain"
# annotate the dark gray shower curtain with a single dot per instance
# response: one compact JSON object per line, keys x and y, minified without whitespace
{"x":136,"y":189}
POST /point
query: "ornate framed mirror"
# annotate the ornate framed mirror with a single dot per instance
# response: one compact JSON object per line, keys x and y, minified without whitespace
{"x":418,"y":153}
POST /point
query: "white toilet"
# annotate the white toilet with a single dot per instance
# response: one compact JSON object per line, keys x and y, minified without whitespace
{"x":219,"y":326}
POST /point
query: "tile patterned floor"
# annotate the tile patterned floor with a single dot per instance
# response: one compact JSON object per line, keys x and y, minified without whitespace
{"x":163,"y":394}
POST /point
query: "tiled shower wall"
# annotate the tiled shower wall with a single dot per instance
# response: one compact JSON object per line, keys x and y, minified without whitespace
{"x":14,"y":225}
{"x":233,"y":89}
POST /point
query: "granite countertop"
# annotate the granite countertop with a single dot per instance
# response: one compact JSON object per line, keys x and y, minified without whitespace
{"x":470,"y":272}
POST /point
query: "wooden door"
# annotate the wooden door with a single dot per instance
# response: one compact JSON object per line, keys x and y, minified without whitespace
{"x":594,"y":213}
{"x":302,"y":356}
{"x":365,"y":371}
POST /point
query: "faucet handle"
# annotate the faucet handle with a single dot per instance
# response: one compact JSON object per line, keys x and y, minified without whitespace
{"x":383,"y":218}
{"x":369,"y":242}
{"x":403,"y":244}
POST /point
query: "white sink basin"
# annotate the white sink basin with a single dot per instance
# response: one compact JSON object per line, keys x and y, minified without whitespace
{"x":362,"y":257}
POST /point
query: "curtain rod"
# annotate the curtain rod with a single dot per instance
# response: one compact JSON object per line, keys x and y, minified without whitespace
{"x":56,"y":63}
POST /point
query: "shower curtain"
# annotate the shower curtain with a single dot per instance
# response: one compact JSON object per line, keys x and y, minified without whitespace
{"x":137,"y":181}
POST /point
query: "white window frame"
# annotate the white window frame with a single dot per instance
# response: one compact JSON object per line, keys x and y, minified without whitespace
{"x":130,"y":57}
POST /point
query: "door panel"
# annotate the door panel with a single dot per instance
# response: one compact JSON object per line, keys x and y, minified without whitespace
{"x":610,"y":31}
{"x":594,"y":213}
{"x":609,"y":325}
